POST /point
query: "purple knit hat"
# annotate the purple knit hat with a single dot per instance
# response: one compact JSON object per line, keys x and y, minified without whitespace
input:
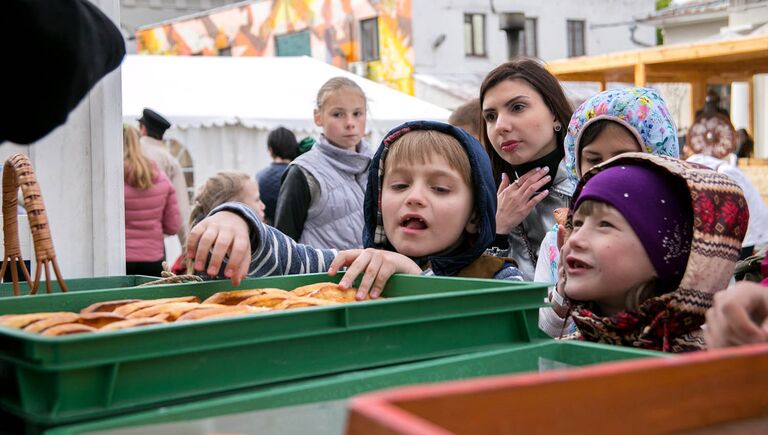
{"x":656,"y":205}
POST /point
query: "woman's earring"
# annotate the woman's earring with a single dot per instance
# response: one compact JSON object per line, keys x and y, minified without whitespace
{"x":558,"y":127}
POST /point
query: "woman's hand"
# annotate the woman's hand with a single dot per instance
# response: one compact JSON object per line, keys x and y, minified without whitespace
{"x":224,"y":233}
{"x":738,"y":316}
{"x":516,"y":200}
{"x":376,"y":264}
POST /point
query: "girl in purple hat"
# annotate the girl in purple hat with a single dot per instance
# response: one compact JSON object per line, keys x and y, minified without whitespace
{"x":607,"y":124}
{"x":651,"y":240}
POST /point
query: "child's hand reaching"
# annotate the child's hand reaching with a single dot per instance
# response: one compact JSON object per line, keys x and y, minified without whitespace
{"x":560,"y":309}
{"x":224,"y":233}
{"x":378,"y":265}
{"x":517,"y":199}
{"x":739,"y":316}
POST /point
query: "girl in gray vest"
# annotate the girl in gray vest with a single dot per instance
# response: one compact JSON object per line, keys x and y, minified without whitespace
{"x":321,"y":197}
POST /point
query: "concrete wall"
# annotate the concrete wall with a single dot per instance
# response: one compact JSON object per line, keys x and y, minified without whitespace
{"x":433,"y":18}
{"x":750,"y":14}
{"x":694,"y":32}
{"x":79,"y":168}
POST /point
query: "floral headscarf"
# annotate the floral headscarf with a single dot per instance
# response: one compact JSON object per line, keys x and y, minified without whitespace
{"x":641,"y":110}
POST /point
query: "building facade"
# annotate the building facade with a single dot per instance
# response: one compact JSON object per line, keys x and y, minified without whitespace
{"x":437,"y":50}
{"x":457,"y":42}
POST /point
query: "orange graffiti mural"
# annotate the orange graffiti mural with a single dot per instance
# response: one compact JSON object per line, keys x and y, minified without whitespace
{"x":324,"y":29}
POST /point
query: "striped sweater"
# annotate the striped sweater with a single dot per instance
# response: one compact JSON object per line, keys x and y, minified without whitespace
{"x":274,"y":253}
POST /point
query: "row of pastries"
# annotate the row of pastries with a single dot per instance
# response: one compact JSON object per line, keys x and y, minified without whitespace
{"x":130,"y":313}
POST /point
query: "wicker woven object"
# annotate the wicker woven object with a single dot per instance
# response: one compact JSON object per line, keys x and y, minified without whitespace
{"x":17,"y":174}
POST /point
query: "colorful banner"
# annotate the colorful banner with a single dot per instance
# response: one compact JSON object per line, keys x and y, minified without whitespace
{"x":324,"y":29}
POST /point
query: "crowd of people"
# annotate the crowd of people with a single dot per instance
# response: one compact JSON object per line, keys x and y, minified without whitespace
{"x":639,"y":246}
{"x":645,"y":240}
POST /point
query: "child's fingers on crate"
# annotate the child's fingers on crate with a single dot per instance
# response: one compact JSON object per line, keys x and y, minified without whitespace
{"x":343,"y":259}
{"x":370,"y":275}
{"x":239,"y":260}
{"x":216,"y":235}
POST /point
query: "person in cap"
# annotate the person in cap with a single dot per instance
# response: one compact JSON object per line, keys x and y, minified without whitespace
{"x":153,"y":124}
{"x":152,"y":127}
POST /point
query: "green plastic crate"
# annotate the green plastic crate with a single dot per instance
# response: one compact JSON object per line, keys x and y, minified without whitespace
{"x":81,"y":284}
{"x":314,"y":406}
{"x":54,"y":380}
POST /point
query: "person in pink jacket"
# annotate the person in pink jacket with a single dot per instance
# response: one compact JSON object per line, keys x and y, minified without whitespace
{"x":151,"y":210}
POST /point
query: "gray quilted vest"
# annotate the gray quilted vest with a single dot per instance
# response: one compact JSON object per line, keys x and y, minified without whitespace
{"x":335,"y":220}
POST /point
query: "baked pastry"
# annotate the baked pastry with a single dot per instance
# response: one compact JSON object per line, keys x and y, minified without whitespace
{"x":127,"y":309}
{"x":561,"y":215}
{"x":334,"y":293}
{"x":301,"y":302}
{"x":237,"y":296}
{"x":267,"y":300}
{"x":172,"y":310}
{"x":99,"y":319}
{"x":225,"y":311}
{"x":107,"y":306}
{"x":307,"y":289}
{"x":47,"y":322}
{"x":132,"y":323}
{"x":20,"y":321}
{"x":68,"y":329}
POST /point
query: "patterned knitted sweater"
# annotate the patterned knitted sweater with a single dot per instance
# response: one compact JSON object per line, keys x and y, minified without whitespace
{"x":672,"y":321}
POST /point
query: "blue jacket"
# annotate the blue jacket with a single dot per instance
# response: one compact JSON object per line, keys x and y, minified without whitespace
{"x":274,"y":253}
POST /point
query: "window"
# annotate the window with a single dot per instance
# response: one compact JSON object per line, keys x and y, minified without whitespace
{"x":369,"y":39}
{"x":293,"y":44}
{"x":576,"y":38}
{"x":474,"y":34}
{"x":531,"y":48}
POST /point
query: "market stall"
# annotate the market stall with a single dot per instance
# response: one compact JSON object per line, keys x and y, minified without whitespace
{"x":698,"y":64}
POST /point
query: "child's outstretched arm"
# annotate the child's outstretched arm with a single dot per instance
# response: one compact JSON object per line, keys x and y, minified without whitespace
{"x":738,"y":316}
{"x":233,"y":235}
{"x":376,"y":264}
{"x":222,"y":234}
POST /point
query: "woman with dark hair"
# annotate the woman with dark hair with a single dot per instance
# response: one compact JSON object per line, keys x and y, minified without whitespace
{"x":526,"y":116}
{"x":283,"y":148}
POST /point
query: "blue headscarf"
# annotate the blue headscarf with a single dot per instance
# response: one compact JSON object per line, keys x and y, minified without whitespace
{"x":483,"y":187}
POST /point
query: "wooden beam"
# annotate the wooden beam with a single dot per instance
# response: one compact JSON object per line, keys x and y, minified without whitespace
{"x":725,"y":72}
{"x":698,"y":95}
{"x":601,"y":85}
{"x":735,"y":48}
{"x":581,"y":77}
{"x":721,"y":53}
{"x":640,"y":77}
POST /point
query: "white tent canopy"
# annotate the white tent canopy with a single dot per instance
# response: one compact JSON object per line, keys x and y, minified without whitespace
{"x":222,"y":108}
{"x":256,"y":92}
